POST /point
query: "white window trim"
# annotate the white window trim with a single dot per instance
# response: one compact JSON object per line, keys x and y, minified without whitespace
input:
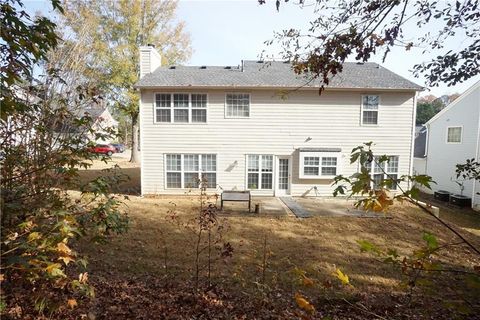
{"x":320,"y":155}
{"x":259,"y":172}
{"x":182,"y":170}
{"x":387,"y":174}
{"x":378,"y":110}
{"x":171,"y":93}
{"x":461,"y":135}
{"x":249,"y":105}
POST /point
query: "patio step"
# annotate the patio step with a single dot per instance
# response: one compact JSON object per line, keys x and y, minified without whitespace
{"x":296,"y":208}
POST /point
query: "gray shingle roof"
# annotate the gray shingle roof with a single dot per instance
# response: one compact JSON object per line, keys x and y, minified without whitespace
{"x":258,"y":74}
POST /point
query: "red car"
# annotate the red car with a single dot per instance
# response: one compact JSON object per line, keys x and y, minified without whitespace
{"x":103,"y":149}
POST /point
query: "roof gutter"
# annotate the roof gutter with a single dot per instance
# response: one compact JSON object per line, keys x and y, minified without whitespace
{"x":276,"y":88}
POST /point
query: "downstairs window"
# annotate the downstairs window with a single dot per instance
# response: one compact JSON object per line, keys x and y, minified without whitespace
{"x":189,"y":170}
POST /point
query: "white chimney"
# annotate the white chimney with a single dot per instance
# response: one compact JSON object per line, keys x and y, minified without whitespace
{"x":150,"y":59}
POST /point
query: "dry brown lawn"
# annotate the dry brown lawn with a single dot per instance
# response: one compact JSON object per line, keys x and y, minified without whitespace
{"x":157,"y":245}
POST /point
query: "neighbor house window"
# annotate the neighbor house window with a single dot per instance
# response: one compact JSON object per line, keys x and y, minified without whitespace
{"x":189,"y":170}
{"x":259,"y":172}
{"x":319,"y":165}
{"x":385,"y":170}
{"x":454,"y":134}
{"x":370,"y":109}
{"x":181,"y":108}
{"x":237,"y":105}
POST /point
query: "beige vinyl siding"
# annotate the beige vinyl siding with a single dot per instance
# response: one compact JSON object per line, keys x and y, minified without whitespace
{"x":279,"y":127}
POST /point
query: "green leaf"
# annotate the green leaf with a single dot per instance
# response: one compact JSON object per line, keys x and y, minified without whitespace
{"x":431,"y":240}
{"x":366,"y":246}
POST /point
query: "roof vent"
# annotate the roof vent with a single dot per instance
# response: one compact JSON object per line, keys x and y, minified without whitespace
{"x":228,"y":67}
{"x":203,"y":67}
{"x":173,"y":67}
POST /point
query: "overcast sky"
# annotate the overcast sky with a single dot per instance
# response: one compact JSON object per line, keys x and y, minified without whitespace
{"x":227,"y":31}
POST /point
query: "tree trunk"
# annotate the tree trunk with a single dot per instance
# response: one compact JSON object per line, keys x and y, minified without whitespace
{"x":135,"y":157}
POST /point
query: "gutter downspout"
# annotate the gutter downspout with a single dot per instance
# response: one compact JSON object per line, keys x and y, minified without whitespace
{"x":412,"y":142}
{"x":477,"y":158}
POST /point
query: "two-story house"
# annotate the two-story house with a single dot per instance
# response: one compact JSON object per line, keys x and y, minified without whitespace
{"x":261,"y":127}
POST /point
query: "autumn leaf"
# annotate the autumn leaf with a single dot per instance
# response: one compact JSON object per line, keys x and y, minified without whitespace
{"x":54,"y":270}
{"x":342,"y":277}
{"x":83,"y":277}
{"x":63,"y":248}
{"x":34,"y":236}
{"x":303,"y":303}
{"x":72,"y":303}
{"x":66,"y":260}
{"x":307,"y":282}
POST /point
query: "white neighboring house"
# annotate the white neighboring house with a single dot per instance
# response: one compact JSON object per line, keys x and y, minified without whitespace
{"x":451,"y":137}
{"x":103,"y":122}
{"x":261,"y":127}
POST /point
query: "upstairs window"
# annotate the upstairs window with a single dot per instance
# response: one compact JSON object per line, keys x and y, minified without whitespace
{"x":180,"y":108}
{"x":237,"y":105}
{"x":163,"y":107}
{"x":199,"y":108}
{"x":454,"y":135}
{"x":259,"y":172}
{"x":370,"y":109}
{"x":319,"y":165}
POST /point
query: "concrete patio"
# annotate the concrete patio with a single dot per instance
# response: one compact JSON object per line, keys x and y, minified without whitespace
{"x":312,"y":206}
{"x":271,"y":206}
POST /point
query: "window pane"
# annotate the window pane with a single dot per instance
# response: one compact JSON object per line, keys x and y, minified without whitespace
{"x":174,"y":162}
{"x":180,"y":100}
{"x":238,"y":105}
{"x":174,"y":180}
{"x":190,"y":162}
{"x":209,"y":162}
{"x":252,"y":181}
{"x":370,"y":102}
{"x":311,"y":161}
{"x":191,"y":180}
{"x":370,"y":117}
{"x":329,"y":161}
{"x":454,"y":134}
{"x":378,"y":167}
{"x":392,"y":165}
{"x":180,"y":115}
{"x":377,"y":180}
{"x":162,"y":100}
{"x":267,"y":163}
{"x":210,"y":179}
{"x":199,"y":100}
{"x":163,"y":115}
{"x":199,"y":115}
{"x":329,"y":171}
{"x":393,"y":177}
{"x":253,"y":162}
{"x":267,"y":181}
{"x":310,"y":171}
